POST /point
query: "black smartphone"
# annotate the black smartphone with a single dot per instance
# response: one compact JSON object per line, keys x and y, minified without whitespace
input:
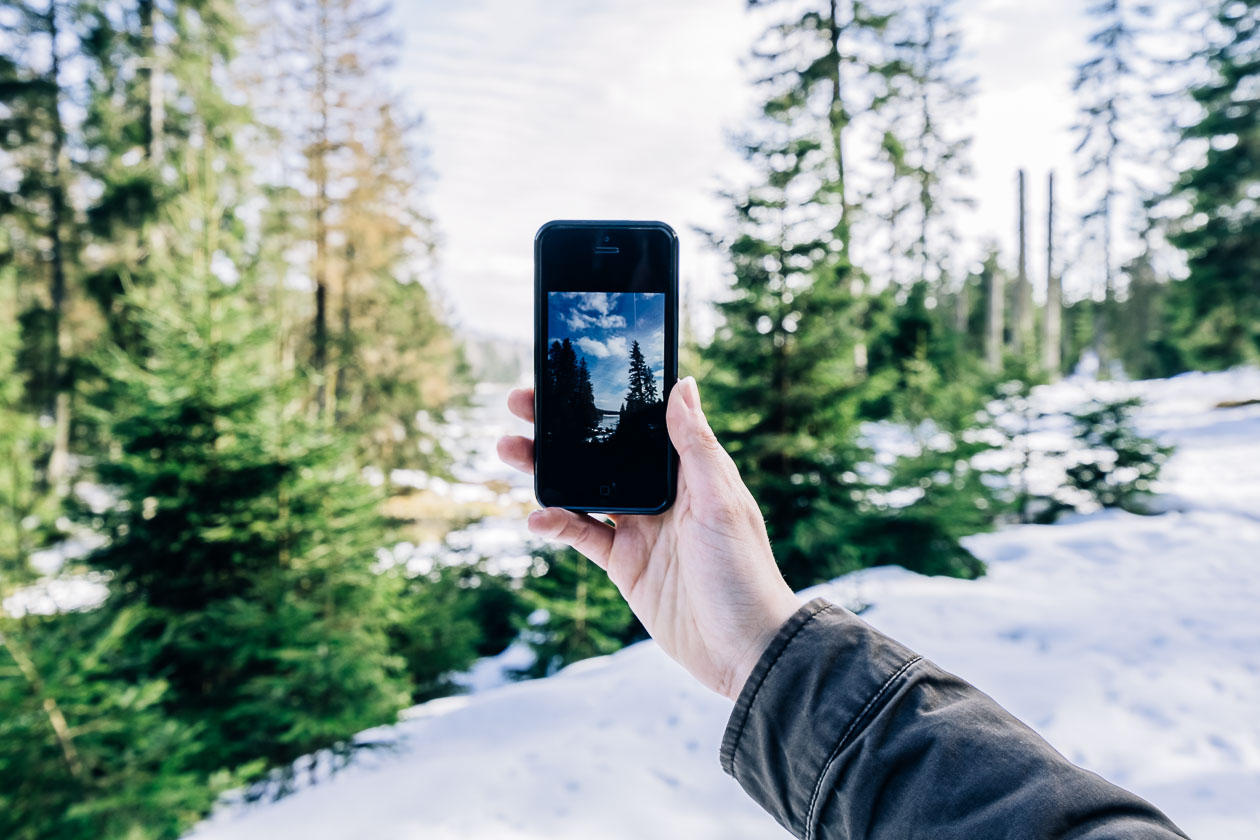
{"x":605,"y":359}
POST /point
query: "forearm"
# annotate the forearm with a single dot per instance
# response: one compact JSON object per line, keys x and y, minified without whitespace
{"x":842,"y":732}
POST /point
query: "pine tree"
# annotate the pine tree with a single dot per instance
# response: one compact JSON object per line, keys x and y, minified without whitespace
{"x":437,"y":632}
{"x":1115,"y":466}
{"x":642,"y":391}
{"x":243,"y":538}
{"x":791,"y":370}
{"x":786,"y":356}
{"x":35,"y":93}
{"x":928,"y":97}
{"x":343,"y":48}
{"x":589,"y":415}
{"x":27,"y":513}
{"x":577,"y":613}
{"x":154,"y":94}
{"x":1112,"y":87}
{"x":87,"y":748}
{"x":1216,"y":310}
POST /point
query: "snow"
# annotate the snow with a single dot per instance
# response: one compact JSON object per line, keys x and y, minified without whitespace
{"x":1131,"y":643}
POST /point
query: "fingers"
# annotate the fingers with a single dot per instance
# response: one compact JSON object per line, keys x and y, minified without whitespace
{"x":591,"y":538}
{"x":521,"y":403}
{"x":518,"y":452}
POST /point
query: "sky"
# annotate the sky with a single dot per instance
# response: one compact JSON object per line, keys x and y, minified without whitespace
{"x":602,"y":327}
{"x":546,"y":109}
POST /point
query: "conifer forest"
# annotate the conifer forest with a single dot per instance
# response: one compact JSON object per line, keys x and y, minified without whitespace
{"x":235,"y":400}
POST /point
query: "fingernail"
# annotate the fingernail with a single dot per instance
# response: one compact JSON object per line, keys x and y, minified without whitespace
{"x":535,"y":522}
{"x":690,"y":393}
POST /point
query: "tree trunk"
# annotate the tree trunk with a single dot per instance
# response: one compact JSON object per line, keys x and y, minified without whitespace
{"x":58,"y":464}
{"x":1052,"y":338}
{"x":319,"y":172}
{"x":837,"y":120}
{"x":1102,"y":302}
{"x":341,"y":386}
{"x":155,"y":104}
{"x":56,"y":719}
{"x":995,"y":319}
{"x":1022,"y":332}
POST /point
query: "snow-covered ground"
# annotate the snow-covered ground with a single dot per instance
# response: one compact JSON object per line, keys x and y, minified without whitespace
{"x":1131,"y":643}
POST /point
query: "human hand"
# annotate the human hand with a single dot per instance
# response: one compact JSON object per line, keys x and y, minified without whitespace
{"x":701,"y":576}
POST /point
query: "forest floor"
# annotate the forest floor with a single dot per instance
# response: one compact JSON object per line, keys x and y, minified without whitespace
{"x":1132,"y":643}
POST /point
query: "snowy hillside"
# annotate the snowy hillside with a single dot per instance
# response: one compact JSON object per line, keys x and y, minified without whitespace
{"x":1131,"y":643}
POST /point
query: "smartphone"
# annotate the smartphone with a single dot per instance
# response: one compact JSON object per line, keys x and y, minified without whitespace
{"x":605,"y":360}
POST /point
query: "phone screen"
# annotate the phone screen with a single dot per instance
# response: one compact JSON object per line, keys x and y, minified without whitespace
{"x":606,"y":361}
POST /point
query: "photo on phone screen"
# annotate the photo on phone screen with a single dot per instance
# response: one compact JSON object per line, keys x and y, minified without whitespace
{"x":605,"y":359}
{"x":605,"y":382}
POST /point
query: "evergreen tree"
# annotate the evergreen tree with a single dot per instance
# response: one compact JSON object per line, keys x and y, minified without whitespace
{"x":577,"y":613}
{"x":1115,"y":466}
{"x":35,"y":95}
{"x":154,"y":94}
{"x":437,"y":631}
{"x":642,"y":390}
{"x":931,"y":96}
{"x":1216,"y":310}
{"x":27,"y":513}
{"x":88,"y":750}
{"x":1114,"y":130}
{"x":791,"y":350}
{"x":243,"y":539}
{"x":589,"y":414}
{"x":394,"y":359}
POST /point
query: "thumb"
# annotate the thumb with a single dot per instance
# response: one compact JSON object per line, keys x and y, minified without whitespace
{"x":704,"y":462}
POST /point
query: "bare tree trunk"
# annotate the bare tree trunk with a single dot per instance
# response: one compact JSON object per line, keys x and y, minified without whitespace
{"x":1101,"y":306}
{"x":319,"y":358}
{"x":59,"y":463}
{"x":995,"y":319}
{"x":1052,"y":339}
{"x":962,"y":309}
{"x":340,"y":388}
{"x":155,"y":106}
{"x":1022,"y":332}
{"x":837,"y":120}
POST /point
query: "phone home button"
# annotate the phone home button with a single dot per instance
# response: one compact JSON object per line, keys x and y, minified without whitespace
{"x":605,"y":490}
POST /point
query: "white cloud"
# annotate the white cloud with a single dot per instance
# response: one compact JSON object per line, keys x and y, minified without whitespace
{"x":594,"y":348}
{"x":616,"y":346}
{"x":577,"y":321}
{"x":599,"y":302}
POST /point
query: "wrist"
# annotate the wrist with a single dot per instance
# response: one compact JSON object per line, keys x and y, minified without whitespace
{"x":760,"y":634}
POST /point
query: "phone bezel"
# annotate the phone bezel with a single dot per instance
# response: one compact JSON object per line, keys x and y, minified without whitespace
{"x":670,"y":372}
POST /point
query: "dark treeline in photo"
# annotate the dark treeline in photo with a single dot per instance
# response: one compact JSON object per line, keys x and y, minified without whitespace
{"x":602,"y":442}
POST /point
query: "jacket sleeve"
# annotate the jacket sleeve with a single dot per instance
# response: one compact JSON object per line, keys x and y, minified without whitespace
{"x":841,"y":732}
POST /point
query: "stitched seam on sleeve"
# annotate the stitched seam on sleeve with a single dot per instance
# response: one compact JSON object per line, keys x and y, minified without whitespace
{"x":739,"y":733}
{"x":844,"y":740}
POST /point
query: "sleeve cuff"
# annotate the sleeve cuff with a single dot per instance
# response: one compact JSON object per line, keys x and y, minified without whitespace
{"x":814,"y":689}
{"x":748,"y":694}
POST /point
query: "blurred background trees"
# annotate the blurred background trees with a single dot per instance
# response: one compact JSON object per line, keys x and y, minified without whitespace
{"x":228,"y":386}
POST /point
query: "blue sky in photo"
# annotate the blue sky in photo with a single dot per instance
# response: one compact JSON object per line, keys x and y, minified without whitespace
{"x":602,"y":326}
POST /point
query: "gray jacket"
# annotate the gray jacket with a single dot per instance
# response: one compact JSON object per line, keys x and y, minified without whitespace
{"x":840,"y":732}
